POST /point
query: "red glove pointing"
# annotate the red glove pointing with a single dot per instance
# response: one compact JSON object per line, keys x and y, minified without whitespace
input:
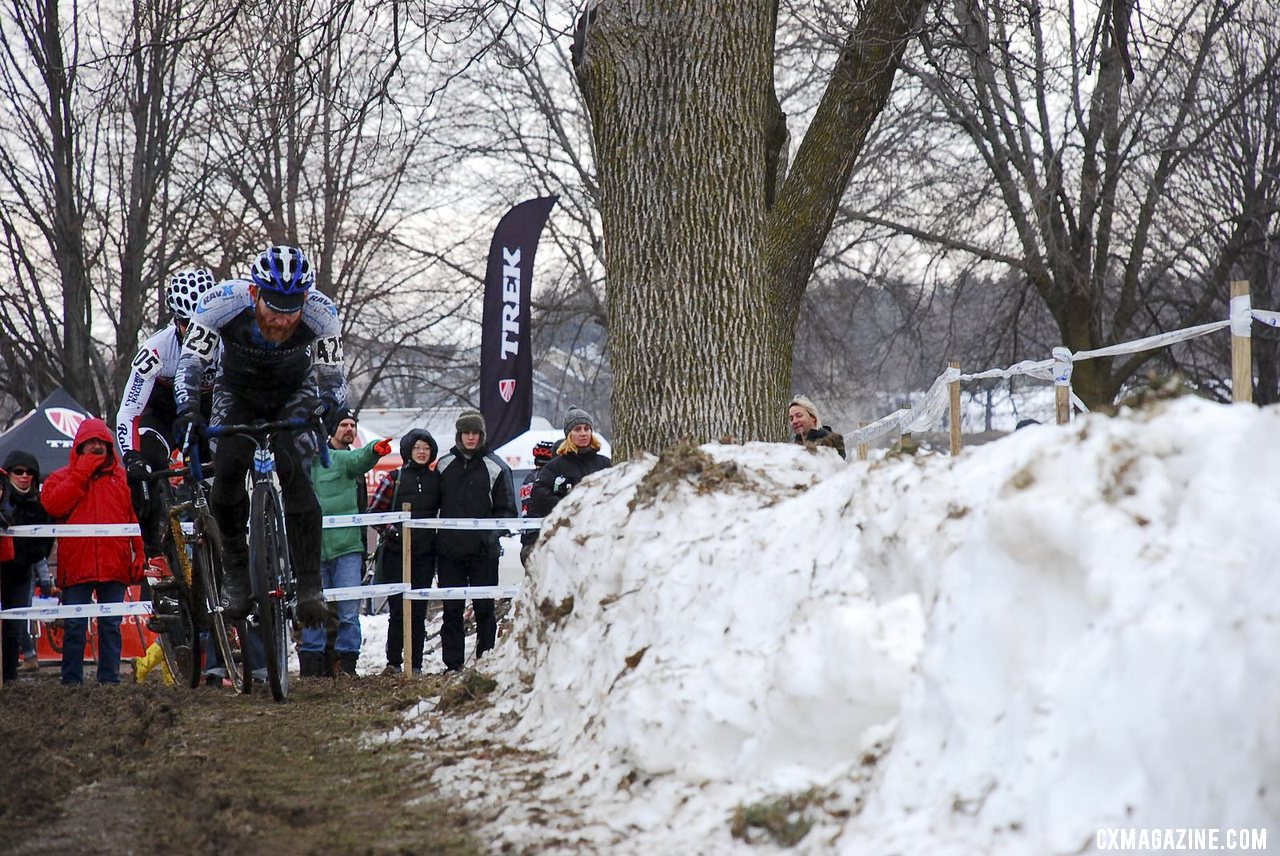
{"x":383,"y":447}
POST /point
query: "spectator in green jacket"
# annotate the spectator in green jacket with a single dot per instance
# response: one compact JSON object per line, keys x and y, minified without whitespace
{"x":341,"y":549}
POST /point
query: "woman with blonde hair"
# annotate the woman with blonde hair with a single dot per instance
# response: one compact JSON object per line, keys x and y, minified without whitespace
{"x":576,"y":458}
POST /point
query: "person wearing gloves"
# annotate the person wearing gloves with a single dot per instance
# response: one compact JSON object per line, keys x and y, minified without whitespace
{"x":418,"y":484}
{"x":24,"y":558}
{"x":474,"y":482}
{"x":578,"y":457}
{"x":92,"y":490}
{"x":341,"y":551}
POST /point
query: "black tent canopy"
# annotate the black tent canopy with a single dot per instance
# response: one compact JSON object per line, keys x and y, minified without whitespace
{"x":46,"y":432}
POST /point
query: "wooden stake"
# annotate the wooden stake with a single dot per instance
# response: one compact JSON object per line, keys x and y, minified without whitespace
{"x":862,"y":447}
{"x":955,"y":411}
{"x":1241,"y":350}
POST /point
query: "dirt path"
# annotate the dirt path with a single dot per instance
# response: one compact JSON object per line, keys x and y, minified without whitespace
{"x":146,"y":769}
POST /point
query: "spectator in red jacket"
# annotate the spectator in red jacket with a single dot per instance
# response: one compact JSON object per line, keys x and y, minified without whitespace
{"x":92,"y":490}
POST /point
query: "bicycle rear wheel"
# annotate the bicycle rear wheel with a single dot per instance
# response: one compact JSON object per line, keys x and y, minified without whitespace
{"x":269,"y":561}
{"x":206,"y":565}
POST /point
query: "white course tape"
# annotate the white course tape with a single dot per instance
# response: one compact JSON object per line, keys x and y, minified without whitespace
{"x":464,"y":592}
{"x":1262,"y":316}
{"x":361,"y":592}
{"x":62,"y":530}
{"x":338,"y":520}
{"x":1152,"y":342}
{"x":511,"y":523}
{"x":88,"y":610}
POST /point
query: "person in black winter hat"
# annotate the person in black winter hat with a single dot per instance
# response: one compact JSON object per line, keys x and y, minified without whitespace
{"x":418,"y":484}
{"x":578,"y":457}
{"x":474,"y":482}
{"x":20,"y":506}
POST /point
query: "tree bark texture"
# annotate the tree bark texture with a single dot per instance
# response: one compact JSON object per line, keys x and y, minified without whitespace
{"x":702,"y":278}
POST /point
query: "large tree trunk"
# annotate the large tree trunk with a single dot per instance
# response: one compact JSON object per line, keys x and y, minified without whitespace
{"x":702,"y":279}
{"x":677,"y":93}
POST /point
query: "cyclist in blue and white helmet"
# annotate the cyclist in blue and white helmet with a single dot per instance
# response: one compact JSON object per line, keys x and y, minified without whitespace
{"x":281,"y":358}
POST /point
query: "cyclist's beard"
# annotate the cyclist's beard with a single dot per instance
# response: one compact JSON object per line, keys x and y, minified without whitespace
{"x":277,"y":335}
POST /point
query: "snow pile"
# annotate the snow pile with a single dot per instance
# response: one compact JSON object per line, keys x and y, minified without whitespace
{"x":1069,"y":629}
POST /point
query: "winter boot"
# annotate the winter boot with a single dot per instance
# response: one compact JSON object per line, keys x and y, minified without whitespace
{"x":311,"y":664}
{"x":235,"y":590}
{"x":348,"y":661}
{"x":312,"y":610}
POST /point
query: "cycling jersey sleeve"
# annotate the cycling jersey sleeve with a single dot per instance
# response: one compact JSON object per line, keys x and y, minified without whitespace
{"x":146,"y":367}
{"x":321,"y":315}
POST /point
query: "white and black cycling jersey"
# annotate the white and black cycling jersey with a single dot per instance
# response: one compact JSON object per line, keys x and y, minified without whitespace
{"x":253,"y":368}
{"x":150,"y":387}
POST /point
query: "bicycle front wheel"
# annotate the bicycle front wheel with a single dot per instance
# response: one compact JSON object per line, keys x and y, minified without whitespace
{"x":269,"y":561}
{"x":206,"y":562}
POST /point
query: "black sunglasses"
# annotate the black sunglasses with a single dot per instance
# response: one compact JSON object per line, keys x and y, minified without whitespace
{"x":22,"y":471}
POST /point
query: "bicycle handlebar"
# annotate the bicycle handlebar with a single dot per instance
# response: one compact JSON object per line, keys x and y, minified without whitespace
{"x":259,"y":430}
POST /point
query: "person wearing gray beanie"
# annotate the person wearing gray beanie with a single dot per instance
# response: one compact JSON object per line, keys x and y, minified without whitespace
{"x":575,"y":417}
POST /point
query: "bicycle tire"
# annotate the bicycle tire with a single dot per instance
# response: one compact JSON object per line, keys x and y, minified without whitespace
{"x":268,"y":559}
{"x":206,"y":566}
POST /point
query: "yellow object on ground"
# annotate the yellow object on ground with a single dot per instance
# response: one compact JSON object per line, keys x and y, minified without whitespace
{"x":142,"y":666}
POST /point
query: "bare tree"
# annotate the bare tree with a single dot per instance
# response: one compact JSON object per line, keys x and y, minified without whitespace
{"x":45,"y":202}
{"x":1046,"y":161}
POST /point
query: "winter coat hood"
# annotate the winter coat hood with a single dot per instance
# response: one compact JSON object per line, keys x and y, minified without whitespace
{"x":406,"y":447}
{"x":93,"y":429}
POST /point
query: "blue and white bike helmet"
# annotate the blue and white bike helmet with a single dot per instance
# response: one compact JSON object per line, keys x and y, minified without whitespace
{"x":283,"y":275}
{"x":184,"y":290}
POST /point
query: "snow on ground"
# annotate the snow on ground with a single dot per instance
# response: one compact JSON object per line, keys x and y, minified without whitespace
{"x":1068,"y":629}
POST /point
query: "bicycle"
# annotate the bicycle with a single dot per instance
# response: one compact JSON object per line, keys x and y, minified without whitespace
{"x":189,"y":602}
{"x":271,"y":578}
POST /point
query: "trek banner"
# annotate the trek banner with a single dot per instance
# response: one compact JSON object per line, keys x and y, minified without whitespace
{"x":506,"y":363}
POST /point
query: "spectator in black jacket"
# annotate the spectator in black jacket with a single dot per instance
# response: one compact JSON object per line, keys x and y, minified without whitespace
{"x":418,"y":484}
{"x":474,"y":482}
{"x":808,"y":429}
{"x":578,"y":457}
{"x":20,"y":506}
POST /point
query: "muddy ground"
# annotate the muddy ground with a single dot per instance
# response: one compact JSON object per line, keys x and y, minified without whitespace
{"x":154,"y":769}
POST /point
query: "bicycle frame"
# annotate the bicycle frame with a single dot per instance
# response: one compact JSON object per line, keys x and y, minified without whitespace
{"x":271,"y":576}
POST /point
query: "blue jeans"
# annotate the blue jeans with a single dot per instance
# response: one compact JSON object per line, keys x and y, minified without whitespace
{"x":345,"y":570}
{"x":76,"y":629}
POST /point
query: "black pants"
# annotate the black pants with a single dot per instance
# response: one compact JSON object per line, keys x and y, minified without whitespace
{"x":15,"y":591}
{"x":150,"y":511}
{"x":421,"y":571}
{"x":467,"y":571}
{"x":229,"y":501}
